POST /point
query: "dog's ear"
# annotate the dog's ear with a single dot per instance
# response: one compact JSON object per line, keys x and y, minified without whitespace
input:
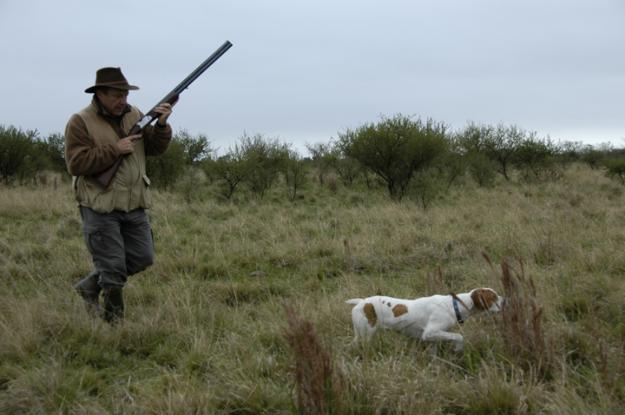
{"x":483,"y":298}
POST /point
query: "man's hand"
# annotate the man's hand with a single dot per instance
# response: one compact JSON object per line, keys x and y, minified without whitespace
{"x":127,"y":144}
{"x":164,"y":111}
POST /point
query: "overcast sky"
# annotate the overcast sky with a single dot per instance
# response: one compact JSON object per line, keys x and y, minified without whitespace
{"x":303,"y":71}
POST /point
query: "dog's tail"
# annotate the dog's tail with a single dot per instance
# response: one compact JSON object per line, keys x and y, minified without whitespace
{"x":354,"y":301}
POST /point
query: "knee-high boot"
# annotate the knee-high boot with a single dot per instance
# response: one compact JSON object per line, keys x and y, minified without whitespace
{"x":113,"y":305}
{"x":89,"y":290}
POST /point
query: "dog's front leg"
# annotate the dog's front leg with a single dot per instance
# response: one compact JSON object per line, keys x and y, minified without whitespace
{"x":433,"y":350}
{"x":439,"y":335}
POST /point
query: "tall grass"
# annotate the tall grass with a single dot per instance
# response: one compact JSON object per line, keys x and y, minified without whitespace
{"x":522,"y":319}
{"x":205,"y":328}
{"x":318,"y":383}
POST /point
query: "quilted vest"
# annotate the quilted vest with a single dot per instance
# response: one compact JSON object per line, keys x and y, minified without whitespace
{"x":129,"y":189}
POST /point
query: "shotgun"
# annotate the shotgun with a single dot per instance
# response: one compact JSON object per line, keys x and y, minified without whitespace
{"x":105,"y":177}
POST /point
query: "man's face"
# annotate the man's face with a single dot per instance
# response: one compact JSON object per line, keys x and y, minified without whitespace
{"x":113,"y":100}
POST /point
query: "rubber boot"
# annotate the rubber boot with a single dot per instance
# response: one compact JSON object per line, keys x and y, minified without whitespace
{"x":89,"y":290}
{"x":113,"y":305}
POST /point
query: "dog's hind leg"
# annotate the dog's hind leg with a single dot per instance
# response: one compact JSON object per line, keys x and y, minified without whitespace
{"x":357,"y":334}
{"x":363,"y":329}
{"x":359,"y":324}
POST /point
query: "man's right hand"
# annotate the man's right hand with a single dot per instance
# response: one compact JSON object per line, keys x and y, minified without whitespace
{"x":127,"y":144}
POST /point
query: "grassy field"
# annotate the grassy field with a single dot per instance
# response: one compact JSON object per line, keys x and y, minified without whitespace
{"x":207,"y":331}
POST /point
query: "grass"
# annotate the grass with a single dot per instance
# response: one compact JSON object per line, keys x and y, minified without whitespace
{"x":207,"y":330}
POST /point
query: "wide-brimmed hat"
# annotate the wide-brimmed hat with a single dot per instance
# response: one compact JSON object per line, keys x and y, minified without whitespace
{"x":111,"y":78}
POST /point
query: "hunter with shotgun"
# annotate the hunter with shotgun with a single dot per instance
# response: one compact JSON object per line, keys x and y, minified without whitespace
{"x":106,"y":145}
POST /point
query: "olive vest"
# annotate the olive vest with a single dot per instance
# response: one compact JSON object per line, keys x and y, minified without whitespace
{"x":129,"y":189}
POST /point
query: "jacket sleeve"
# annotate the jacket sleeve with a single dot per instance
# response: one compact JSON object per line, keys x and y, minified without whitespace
{"x":156,"y":139}
{"x":82,"y":156}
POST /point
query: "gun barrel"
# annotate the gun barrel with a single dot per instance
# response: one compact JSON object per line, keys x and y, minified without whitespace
{"x":105,"y":177}
{"x":203,"y":66}
{"x":173,"y":94}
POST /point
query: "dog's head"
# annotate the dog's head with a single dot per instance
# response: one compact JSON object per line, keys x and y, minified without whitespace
{"x":486,"y":299}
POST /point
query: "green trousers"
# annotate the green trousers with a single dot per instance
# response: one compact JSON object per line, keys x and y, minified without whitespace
{"x":120,"y":243}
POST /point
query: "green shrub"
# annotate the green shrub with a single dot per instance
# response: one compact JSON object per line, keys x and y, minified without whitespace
{"x":395,"y":149}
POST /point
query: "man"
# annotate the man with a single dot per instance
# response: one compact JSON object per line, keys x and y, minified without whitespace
{"x":115,"y":224}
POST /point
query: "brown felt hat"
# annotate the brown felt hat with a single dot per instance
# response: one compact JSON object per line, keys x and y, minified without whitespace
{"x":110,"y":78}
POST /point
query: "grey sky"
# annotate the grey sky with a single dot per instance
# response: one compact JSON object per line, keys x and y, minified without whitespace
{"x":302,"y":71}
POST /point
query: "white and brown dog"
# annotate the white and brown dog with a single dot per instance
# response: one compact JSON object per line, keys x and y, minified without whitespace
{"x":426,"y":318}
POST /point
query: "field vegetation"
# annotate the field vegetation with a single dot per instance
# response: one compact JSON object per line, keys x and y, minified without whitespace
{"x":243,"y":311}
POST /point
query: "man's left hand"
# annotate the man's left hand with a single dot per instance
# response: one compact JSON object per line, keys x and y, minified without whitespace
{"x":164,"y":110}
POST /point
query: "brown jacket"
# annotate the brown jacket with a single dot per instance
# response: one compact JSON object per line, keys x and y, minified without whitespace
{"x":90,"y":138}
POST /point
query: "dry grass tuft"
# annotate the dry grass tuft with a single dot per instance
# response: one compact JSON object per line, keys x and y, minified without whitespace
{"x":522,"y":322}
{"x":318,"y":383}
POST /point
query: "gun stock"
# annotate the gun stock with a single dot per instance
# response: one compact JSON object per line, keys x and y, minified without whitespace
{"x":105,"y":177}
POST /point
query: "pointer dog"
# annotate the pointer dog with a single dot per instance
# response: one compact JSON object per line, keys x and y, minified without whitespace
{"x":426,"y":318}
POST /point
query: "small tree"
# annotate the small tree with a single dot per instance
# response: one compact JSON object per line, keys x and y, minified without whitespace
{"x":502,"y":145}
{"x":196,"y":149}
{"x":452,"y":165}
{"x":537,"y":159}
{"x":615,"y":168}
{"x":228,"y":170}
{"x":472,"y":139}
{"x":594,"y":156}
{"x":570,"y":152}
{"x":427,"y":185}
{"x":53,"y":149}
{"x":166,"y":169}
{"x":348,"y":169}
{"x":499,"y":144}
{"x":323,"y":159}
{"x":482,"y":169}
{"x":395,"y":148}
{"x":295,"y":172}
{"x":264,"y":158}
{"x":17,"y":152}
{"x":35,"y":162}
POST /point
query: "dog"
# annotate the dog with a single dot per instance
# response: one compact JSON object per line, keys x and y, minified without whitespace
{"x":426,"y":318}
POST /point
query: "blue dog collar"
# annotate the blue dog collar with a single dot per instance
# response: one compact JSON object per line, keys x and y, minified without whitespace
{"x":457,"y":310}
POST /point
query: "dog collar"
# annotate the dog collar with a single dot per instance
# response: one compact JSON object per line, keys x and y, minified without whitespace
{"x":457,"y":310}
